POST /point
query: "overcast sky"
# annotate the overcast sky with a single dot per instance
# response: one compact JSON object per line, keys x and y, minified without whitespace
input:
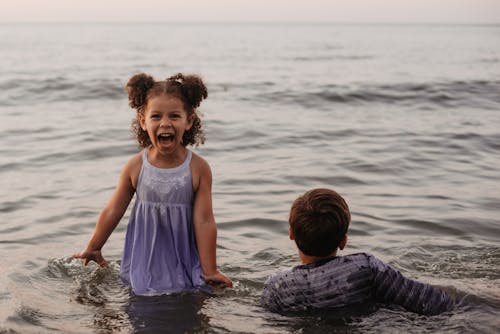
{"x":396,"y":11}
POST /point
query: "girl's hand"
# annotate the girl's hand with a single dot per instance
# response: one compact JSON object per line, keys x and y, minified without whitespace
{"x":218,"y":279}
{"x":91,"y":255}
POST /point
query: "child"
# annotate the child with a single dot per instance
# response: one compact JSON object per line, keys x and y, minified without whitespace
{"x":318,"y":223}
{"x":171,"y":236}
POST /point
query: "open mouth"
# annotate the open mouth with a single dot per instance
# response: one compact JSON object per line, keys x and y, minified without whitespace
{"x":165,"y":138}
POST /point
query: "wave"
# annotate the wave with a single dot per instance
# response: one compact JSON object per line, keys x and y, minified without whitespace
{"x":475,"y":93}
{"x":59,"y":88}
{"x":428,"y":95}
{"x":49,"y":158}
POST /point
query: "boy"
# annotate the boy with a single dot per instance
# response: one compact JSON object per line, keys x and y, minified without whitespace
{"x":318,"y":224}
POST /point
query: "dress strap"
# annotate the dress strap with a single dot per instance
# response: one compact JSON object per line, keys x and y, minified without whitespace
{"x":188,"y":157}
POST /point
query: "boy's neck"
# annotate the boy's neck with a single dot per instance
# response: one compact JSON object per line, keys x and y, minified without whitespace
{"x":306,"y":259}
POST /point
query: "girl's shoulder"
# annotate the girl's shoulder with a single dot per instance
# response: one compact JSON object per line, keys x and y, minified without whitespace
{"x":135,"y":161}
{"x":200,"y":171}
{"x":198,"y":164}
{"x":133,"y":168}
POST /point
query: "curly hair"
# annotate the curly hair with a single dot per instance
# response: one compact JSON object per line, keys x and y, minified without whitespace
{"x":190,"y":89}
{"x":319,"y":220}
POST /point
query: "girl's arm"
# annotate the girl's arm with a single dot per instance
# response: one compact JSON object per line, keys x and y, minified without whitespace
{"x":205,"y":227}
{"x":112,"y":213}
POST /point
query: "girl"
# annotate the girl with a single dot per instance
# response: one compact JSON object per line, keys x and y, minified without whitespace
{"x":171,"y":236}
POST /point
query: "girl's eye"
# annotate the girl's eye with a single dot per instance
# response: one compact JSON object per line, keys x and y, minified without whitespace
{"x":155,"y":116}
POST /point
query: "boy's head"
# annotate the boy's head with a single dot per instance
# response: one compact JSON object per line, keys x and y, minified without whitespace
{"x":319,"y":220}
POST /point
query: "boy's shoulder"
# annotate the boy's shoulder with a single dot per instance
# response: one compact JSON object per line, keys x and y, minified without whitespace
{"x":337,"y":260}
{"x":350,"y":261}
{"x":319,"y":283}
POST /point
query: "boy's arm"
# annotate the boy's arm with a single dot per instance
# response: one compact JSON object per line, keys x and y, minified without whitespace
{"x":391,"y":286}
{"x":205,"y":227}
{"x":270,"y":298}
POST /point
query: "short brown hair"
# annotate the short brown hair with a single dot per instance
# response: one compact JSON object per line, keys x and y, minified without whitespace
{"x":319,"y":220}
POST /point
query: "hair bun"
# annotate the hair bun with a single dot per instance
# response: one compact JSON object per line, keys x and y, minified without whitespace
{"x":137,"y":89}
{"x":192,"y":87}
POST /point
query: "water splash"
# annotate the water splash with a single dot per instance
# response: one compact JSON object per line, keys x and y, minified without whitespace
{"x":93,"y":284}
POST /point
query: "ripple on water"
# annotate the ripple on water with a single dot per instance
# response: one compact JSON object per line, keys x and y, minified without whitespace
{"x":444,"y":265}
{"x":63,"y":295}
{"x":450,"y":261}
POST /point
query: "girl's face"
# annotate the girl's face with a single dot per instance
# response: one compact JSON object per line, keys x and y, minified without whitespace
{"x":165,"y":120}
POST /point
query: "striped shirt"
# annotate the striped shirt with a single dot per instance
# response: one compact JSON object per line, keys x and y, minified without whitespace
{"x":348,"y":280}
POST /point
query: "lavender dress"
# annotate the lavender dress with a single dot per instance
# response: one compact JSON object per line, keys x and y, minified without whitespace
{"x":160,"y":254}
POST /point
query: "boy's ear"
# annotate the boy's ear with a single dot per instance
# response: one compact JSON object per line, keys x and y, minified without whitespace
{"x":290,"y":233}
{"x":343,"y":242}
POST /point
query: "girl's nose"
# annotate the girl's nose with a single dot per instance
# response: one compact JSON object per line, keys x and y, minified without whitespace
{"x":165,"y":122}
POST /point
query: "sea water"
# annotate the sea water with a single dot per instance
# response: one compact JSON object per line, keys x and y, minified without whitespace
{"x":402,"y":120}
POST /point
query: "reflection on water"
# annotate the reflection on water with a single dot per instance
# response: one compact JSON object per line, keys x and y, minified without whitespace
{"x":117,"y":308}
{"x":178,"y":313}
{"x":94,"y":297}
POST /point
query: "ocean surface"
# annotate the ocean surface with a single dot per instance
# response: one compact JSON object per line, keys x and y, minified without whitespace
{"x":402,"y":120}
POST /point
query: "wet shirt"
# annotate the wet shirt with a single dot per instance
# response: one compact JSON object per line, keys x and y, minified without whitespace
{"x":348,"y":280}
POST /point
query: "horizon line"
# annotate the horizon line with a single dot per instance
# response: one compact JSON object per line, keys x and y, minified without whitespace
{"x":256,"y":22}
